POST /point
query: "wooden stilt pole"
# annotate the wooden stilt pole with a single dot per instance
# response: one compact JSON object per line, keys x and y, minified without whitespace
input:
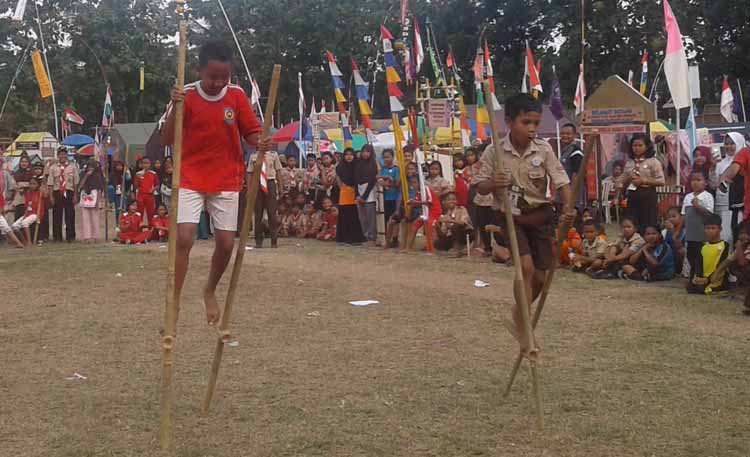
{"x":561,"y":235}
{"x":519,"y":285}
{"x":172,"y":300}
{"x":251,"y":196}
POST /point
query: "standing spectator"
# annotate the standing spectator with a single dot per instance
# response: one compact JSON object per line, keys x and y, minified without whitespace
{"x":704,"y":163}
{"x":571,"y":157}
{"x":146,"y":183}
{"x":348,"y":229}
{"x":119,"y":182}
{"x":291,"y":177}
{"x":22,"y":176}
{"x":328,"y":177}
{"x":366,"y":178}
{"x":311,"y":185}
{"x":436,"y":181}
{"x":730,"y":194}
{"x":267,"y":198}
{"x":389,"y":179}
{"x":63,"y":180}
{"x":697,"y":207}
{"x":91,"y":190}
{"x":643,"y":173}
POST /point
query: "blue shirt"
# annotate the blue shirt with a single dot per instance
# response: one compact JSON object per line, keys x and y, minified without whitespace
{"x":665,"y":257}
{"x":391,"y":193}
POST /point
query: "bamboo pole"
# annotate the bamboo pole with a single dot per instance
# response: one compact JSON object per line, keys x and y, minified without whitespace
{"x":564,"y":227}
{"x":172,"y":300}
{"x":251,"y":196}
{"x":519,"y":285}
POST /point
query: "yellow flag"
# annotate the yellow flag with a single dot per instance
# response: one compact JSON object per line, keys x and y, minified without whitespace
{"x":45,"y":88}
{"x":143,"y":79}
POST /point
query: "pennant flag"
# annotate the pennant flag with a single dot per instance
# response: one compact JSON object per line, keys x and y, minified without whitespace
{"x":72,"y":116}
{"x":555,"y":104}
{"x":580,"y":99}
{"x":391,"y":74}
{"x":533,"y":73}
{"x":347,"y":130}
{"x":727,"y":103}
{"x":418,"y":49}
{"x":20,"y":10}
{"x":465,"y":128}
{"x":107,"y":113}
{"x":45,"y":88}
{"x":483,"y":117}
{"x":142,"y":78}
{"x":644,"y":72}
{"x":338,"y":83}
{"x":691,"y":129}
{"x":312,"y":109}
{"x":363,"y":95}
{"x":450,"y":61}
{"x":490,"y":76}
{"x":675,"y":62}
{"x":404,"y":11}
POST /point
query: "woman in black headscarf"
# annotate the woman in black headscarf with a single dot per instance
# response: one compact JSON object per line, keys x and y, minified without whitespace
{"x":366,"y":177}
{"x":348,"y":229}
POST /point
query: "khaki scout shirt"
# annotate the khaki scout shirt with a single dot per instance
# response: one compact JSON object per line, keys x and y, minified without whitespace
{"x":529,"y":170}
{"x":71,"y":177}
{"x":650,"y":168}
{"x":273,"y":164}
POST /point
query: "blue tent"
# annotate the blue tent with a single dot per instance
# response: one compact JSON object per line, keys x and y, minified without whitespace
{"x":77,"y":140}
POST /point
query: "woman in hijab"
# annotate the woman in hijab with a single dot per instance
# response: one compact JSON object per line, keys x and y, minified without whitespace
{"x":22,"y":176}
{"x":366,"y":177}
{"x":730,"y":197}
{"x":91,"y":190}
{"x":348,"y":230}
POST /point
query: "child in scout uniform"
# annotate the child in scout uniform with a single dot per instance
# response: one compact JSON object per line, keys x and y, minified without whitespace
{"x":522,"y":164}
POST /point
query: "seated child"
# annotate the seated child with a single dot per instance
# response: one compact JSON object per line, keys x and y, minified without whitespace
{"x":653,"y":262}
{"x":34,"y":206}
{"x":294,"y":224}
{"x":618,"y":254}
{"x":571,"y":246}
{"x":712,"y":254}
{"x":739,"y":262}
{"x":312,"y":229}
{"x":160,"y":225}
{"x":674,"y":236}
{"x":452,"y":226}
{"x":133,"y":229}
{"x":593,"y":248}
{"x":328,"y":218}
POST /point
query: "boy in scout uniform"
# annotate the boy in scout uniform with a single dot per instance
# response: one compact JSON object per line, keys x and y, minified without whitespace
{"x":522,"y":164}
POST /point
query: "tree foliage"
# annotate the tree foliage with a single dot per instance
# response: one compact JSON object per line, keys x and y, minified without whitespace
{"x":106,"y":40}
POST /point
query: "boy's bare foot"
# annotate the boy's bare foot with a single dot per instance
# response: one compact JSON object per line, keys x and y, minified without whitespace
{"x":212,"y":307}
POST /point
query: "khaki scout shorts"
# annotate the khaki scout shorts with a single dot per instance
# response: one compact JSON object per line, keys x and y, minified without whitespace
{"x":535,"y":230}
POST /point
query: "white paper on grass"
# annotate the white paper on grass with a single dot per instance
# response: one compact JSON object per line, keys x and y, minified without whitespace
{"x":364,"y":302}
{"x":479,"y":284}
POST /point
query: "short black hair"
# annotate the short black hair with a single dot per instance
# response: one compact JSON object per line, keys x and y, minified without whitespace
{"x":630,"y":219}
{"x":713,"y":219}
{"x":521,"y":103}
{"x":215,"y":50}
{"x":310,"y":154}
{"x":570,"y":125}
{"x":389,"y":151}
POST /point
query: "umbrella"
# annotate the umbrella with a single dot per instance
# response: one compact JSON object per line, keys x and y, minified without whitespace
{"x":86,"y":151}
{"x":77,"y":140}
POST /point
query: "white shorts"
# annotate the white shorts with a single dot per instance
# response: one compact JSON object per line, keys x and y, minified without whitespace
{"x":24,"y":222}
{"x":4,"y":227}
{"x":221,"y":206}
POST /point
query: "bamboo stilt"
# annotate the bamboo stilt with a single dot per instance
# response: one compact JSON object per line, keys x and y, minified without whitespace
{"x":562,"y":233}
{"x":519,"y":285}
{"x":172,"y":300}
{"x":251,"y":195}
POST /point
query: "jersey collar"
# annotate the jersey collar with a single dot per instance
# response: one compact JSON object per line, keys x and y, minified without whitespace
{"x":211,"y":98}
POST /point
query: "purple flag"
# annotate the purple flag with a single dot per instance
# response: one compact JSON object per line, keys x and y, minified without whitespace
{"x":555,"y":104}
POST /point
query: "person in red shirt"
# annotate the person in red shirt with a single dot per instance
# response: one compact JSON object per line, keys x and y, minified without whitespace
{"x":146,"y":183}
{"x":133,"y":230}
{"x":34,"y":205}
{"x":217,"y":117}
{"x":160,"y":224}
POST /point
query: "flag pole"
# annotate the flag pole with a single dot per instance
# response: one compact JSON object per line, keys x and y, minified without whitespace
{"x":679,"y":147}
{"x":742,"y":101}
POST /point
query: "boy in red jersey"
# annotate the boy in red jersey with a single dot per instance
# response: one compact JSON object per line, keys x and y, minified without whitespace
{"x":146,"y":182}
{"x":218,"y":117}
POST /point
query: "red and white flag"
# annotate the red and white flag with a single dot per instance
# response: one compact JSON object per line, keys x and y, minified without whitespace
{"x":675,"y":62}
{"x":580,"y":98}
{"x":490,"y":76}
{"x":418,"y":49}
{"x":727,"y":103}
{"x":72,"y":116}
{"x":263,"y":178}
{"x":530,"y":72}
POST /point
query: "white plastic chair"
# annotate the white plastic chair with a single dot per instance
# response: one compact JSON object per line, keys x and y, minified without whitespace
{"x":608,"y":187}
